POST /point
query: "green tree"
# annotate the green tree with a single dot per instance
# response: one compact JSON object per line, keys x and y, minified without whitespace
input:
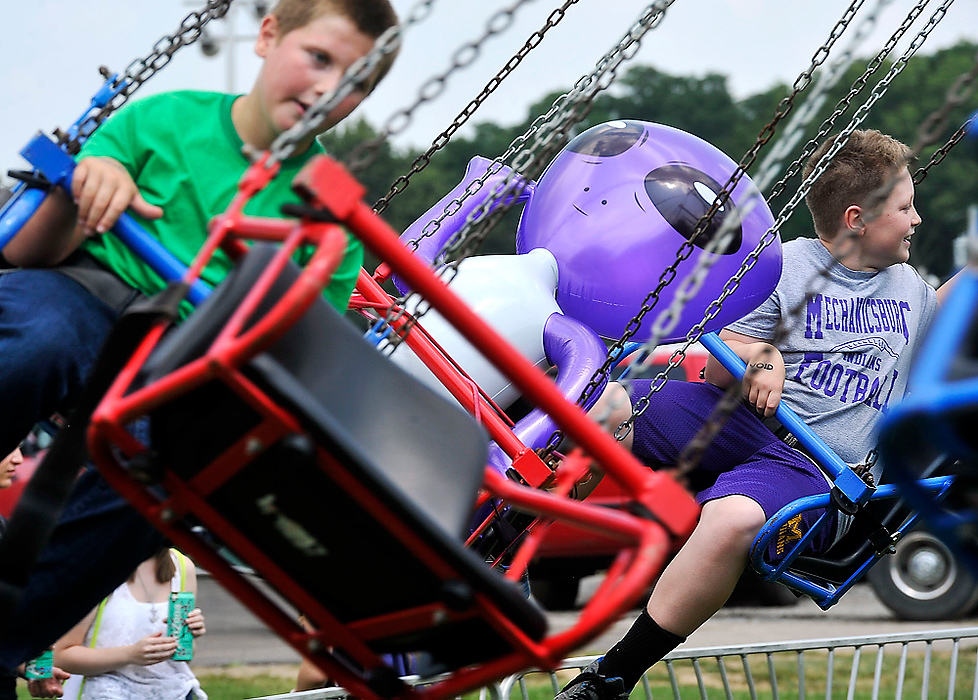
{"x":705,"y":107}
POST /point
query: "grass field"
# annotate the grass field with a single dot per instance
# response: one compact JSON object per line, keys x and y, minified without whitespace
{"x":922,"y":677}
{"x":232,"y":682}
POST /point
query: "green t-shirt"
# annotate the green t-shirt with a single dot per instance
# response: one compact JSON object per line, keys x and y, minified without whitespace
{"x":184,"y":155}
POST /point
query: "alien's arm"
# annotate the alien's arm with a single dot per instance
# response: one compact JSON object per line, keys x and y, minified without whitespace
{"x":577,"y":352}
{"x":431,"y":238}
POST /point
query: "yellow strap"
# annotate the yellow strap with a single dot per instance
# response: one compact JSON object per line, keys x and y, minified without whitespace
{"x":182,"y":559}
{"x":95,"y":627}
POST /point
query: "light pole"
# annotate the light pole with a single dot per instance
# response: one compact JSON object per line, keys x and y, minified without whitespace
{"x":211,"y":45}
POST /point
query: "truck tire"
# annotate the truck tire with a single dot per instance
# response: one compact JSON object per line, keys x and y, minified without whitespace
{"x":923,"y":580}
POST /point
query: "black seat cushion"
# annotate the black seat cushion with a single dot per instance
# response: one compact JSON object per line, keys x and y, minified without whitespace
{"x":422,"y":456}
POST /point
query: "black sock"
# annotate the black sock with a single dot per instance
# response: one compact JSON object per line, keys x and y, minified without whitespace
{"x":644,"y":644}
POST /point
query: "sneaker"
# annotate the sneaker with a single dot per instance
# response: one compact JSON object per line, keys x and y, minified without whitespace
{"x":591,"y":685}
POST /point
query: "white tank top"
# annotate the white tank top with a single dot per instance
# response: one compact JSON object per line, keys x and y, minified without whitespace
{"x":125,"y":621}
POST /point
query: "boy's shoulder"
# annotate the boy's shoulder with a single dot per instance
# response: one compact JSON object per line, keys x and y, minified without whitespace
{"x":177,"y":98}
{"x":804,"y":251}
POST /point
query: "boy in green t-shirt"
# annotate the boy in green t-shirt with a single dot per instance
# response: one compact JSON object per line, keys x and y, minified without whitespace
{"x":174,"y":161}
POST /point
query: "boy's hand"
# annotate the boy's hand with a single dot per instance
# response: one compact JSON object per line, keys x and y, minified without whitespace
{"x":764,"y":379}
{"x":103,"y":190}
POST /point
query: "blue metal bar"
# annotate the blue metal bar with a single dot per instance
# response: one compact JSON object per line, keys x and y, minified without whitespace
{"x":933,"y":415}
{"x":846,"y":480}
{"x":58,"y":167}
{"x":826,"y":594}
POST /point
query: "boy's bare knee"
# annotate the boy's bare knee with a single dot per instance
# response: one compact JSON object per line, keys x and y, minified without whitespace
{"x":733,"y":519}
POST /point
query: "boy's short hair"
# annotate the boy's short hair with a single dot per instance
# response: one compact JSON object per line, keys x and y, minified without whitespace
{"x":861,"y":168}
{"x":372,"y":17}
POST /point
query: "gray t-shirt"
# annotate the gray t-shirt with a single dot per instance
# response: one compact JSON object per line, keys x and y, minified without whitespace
{"x":850,"y":340}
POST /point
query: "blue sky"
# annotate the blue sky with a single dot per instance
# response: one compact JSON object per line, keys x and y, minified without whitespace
{"x":52,"y":50}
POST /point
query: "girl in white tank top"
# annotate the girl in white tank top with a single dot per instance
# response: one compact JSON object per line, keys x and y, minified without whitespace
{"x":131,"y":654}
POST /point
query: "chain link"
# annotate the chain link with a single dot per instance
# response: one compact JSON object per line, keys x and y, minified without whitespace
{"x":686,"y":249}
{"x":842,"y":105}
{"x":695,"y":449}
{"x":440,"y":141}
{"x":934,"y":125}
{"x":366,"y":152}
{"x":526,"y":156}
{"x":772,"y":163}
{"x":942,"y":152}
{"x":548,"y":134}
{"x":142,"y":69}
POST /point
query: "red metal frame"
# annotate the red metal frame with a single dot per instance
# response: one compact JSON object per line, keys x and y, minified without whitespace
{"x":646,"y":541}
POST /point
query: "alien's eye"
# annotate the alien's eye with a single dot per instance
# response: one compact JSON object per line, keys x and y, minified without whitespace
{"x":682,"y":195}
{"x":610,"y":139}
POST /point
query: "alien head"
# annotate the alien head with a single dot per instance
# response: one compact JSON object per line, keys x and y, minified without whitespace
{"x":618,"y":203}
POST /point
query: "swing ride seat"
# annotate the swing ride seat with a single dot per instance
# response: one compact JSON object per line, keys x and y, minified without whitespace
{"x":878,"y":525}
{"x":876,"y":519}
{"x":359,"y":500}
{"x":940,"y":414}
{"x":266,"y":430}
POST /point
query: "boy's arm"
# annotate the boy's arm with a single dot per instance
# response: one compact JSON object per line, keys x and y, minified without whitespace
{"x":946,"y":288}
{"x":764,"y":379}
{"x":101,"y":190}
{"x":45,"y":239}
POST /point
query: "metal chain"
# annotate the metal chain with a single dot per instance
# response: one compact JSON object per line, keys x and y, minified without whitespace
{"x":356,"y":76}
{"x":550,"y":132}
{"x":695,"y":449}
{"x":942,"y":152}
{"x":422,"y":161}
{"x":957,"y":95}
{"x":686,"y":249}
{"x":527,"y":155}
{"x":843,"y":105}
{"x":365,"y":153}
{"x":142,"y":69}
{"x":772,"y":163}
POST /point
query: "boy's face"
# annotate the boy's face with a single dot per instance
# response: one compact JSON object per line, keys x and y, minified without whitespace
{"x":8,"y":467}
{"x":886,"y":240}
{"x":302,"y":66}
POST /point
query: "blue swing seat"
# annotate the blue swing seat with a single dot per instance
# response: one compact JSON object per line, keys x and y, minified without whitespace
{"x":941,"y":413}
{"x":879,"y":516}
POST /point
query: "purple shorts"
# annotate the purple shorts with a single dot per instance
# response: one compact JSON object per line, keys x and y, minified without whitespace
{"x":744,"y":459}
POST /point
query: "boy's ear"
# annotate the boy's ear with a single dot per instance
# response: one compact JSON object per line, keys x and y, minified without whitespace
{"x":268,"y":35}
{"x":852,"y":218}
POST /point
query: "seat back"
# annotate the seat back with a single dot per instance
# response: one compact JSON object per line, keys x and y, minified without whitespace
{"x":365,"y":507}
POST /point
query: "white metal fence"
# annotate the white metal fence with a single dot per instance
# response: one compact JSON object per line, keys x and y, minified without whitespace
{"x":936,"y":664}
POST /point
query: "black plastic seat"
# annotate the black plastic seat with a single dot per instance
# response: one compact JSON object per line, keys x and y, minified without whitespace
{"x":855,"y":547}
{"x":372,"y":440}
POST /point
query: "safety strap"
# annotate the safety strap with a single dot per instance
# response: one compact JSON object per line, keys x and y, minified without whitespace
{"x":99,"y":281}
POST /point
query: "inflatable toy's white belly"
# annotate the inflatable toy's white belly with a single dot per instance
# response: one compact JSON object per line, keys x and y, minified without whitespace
{"x":515,"y":295}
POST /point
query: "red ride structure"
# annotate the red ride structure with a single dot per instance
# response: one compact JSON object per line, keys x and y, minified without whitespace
{"x":267,"y":427}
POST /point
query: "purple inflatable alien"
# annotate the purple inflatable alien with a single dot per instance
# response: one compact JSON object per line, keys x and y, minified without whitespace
{"x":605,"y":219}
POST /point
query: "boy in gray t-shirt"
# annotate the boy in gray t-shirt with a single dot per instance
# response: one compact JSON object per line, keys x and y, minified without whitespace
{"x":840,"y":361}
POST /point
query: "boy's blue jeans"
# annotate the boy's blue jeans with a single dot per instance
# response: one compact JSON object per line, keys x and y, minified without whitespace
{"x":51,"y":331}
